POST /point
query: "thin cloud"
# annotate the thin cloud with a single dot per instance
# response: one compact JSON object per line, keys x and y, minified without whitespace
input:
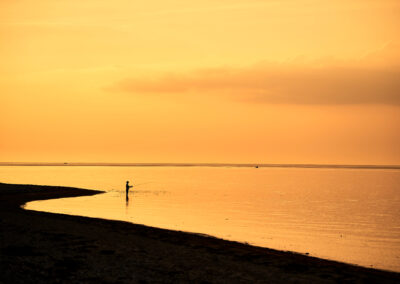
{"x":351,"y":83}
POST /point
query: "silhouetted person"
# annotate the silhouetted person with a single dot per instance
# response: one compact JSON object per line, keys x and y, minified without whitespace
{"x":128,"y":187}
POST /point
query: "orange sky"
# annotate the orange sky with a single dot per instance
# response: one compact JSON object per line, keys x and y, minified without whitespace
{"x":200,"y":81}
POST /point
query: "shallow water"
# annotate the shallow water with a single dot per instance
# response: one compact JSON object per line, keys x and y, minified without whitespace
{"x":349,"y":215}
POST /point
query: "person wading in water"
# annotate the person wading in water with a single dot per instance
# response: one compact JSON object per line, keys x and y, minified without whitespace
{"x":127,"y":187}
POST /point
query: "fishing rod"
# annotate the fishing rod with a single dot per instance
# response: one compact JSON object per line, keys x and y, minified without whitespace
{"x":141,"y":184}
{"x":133,"y":185}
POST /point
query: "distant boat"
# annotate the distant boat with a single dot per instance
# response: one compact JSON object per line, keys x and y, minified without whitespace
{"x":256,"y":167}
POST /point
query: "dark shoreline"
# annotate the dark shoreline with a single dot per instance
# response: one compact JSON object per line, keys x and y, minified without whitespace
{"x":43,"y":247}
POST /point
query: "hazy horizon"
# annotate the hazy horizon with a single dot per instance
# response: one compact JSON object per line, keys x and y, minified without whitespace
{"x":188,"y":164}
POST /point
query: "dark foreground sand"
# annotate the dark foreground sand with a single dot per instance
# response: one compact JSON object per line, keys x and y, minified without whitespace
{"x":37,"y":247}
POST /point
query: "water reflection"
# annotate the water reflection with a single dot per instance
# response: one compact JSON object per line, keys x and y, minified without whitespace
{"x":127,"y":207}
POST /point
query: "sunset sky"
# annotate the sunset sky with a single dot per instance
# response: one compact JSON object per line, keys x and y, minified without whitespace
{"x":200,"y":81}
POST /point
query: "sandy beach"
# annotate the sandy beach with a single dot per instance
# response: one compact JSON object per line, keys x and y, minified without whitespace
{"x":42,"y":247}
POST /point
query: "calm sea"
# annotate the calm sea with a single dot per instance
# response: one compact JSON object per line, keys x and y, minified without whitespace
{"x":349,"y":215}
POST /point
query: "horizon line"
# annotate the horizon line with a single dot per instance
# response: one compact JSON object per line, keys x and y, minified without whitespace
{"x":263,"y":165}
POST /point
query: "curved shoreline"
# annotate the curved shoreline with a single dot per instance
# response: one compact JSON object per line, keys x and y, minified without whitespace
{"x":41,"y":247}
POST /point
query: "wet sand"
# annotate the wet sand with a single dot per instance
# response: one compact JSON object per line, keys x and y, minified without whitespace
{"x":41,"y":247}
